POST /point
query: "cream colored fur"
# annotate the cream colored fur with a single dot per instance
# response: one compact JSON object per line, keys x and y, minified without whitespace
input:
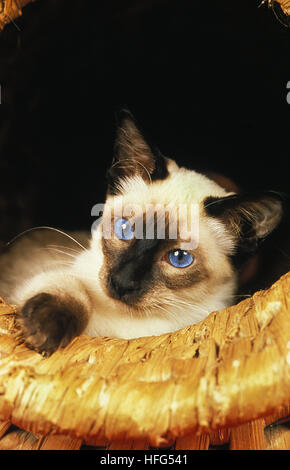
{"x":32,"y":267}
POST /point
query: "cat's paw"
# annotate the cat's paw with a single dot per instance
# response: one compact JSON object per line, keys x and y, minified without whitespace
{"x":48,"y":322}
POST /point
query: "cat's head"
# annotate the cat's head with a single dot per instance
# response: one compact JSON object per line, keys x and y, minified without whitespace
{"x":172,"y":233}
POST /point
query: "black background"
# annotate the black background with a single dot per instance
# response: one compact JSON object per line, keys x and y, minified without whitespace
{"x":207,"y":80}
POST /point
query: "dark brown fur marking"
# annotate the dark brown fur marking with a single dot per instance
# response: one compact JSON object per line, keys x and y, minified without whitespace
{"x":49,"y":322}
{"x":145,"y":273}
{"x":133,"y":155}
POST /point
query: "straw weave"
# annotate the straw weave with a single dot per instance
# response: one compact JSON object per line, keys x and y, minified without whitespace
{"x":229,"y":369}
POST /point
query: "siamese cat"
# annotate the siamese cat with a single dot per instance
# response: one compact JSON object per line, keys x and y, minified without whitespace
{"x":124,"y":286}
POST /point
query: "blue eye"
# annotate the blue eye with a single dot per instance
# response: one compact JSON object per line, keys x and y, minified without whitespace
{"x":123,"y":229}
{"x":180,"y":258}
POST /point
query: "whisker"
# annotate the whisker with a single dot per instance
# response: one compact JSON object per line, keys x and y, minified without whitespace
{"x":65,"y":247}
{"x":62,"y":263}
{"x":56,"y":250}
{"x":179,"y":304}
{"x":43,"y":227}
{"x":60,"y":251}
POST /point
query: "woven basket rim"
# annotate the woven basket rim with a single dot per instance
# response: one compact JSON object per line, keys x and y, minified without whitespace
{"x":230,"y":368}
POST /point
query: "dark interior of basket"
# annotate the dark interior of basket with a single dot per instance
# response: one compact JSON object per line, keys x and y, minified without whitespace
{"x":207,"y":83}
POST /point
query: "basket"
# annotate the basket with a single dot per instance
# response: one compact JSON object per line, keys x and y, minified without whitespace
{"x":223,"y":380}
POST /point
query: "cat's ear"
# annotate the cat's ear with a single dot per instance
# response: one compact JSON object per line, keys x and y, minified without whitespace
{"x":251,"y":217}
{"x":133,"y":155}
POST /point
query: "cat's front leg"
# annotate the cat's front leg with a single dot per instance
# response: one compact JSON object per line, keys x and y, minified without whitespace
{"x":54,"y":311}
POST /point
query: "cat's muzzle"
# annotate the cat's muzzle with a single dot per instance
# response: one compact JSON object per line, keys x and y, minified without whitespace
{"x":127,"y":291}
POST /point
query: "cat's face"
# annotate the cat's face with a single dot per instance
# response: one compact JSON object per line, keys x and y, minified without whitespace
{"x":170,"y":234}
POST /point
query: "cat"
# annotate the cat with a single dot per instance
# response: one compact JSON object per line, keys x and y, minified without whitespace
{"x":125,"y":286}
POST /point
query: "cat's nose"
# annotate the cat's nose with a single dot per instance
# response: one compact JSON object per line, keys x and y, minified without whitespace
{"x":122,"y":287}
